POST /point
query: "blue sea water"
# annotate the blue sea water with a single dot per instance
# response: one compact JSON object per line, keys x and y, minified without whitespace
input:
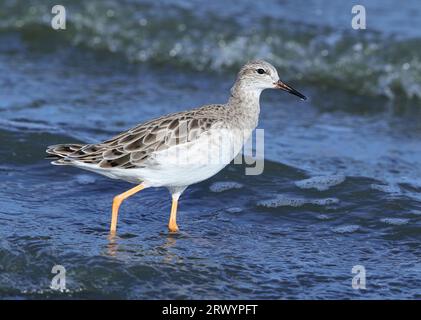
{"x":341,"y":185}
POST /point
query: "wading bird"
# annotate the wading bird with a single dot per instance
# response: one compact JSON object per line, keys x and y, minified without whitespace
{"x":177,"y":150}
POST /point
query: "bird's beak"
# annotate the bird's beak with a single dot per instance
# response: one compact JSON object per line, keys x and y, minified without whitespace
{"x":287,"y":88}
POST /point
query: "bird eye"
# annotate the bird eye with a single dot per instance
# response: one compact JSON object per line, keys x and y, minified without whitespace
{"x":260,"y":71}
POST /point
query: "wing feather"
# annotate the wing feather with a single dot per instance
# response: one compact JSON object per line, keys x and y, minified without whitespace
{"x":134,"y":147}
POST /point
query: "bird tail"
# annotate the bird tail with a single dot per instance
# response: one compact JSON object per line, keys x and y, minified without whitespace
{"x":59,"y":152}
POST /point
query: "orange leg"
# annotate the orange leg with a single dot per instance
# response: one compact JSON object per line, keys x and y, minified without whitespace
{"x":172,"y":225}
{"x":117,"y":202}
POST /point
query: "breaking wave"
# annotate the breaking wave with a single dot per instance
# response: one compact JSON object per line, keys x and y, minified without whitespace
{"x":178,"y":34}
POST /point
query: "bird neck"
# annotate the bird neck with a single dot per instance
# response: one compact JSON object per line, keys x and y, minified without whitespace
{"x":244,"y":103}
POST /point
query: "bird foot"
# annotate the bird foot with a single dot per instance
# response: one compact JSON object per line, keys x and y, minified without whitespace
{"x":173,"y":228}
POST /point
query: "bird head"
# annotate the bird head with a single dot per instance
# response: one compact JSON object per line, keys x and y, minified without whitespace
{"x":260,"y":75}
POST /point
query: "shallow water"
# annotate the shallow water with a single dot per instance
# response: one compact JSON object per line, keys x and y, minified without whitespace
{"x":341,"y":185}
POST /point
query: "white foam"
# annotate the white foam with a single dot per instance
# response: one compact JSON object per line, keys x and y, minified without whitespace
{"x":224,"y":186}
{"x":325,"y":201}
{"x":234,"y":210}
{"x":349,"y":228}
{"x":321,"y":183}
{"x":323,"y":217}
{"x":394,"y":190}
{"x":283,"y":201}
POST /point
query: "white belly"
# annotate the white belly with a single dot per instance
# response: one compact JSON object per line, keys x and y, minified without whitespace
{"x":193,"y":162}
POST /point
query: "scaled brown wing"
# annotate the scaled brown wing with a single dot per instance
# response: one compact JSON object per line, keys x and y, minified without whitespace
{"x":132,"y":148}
